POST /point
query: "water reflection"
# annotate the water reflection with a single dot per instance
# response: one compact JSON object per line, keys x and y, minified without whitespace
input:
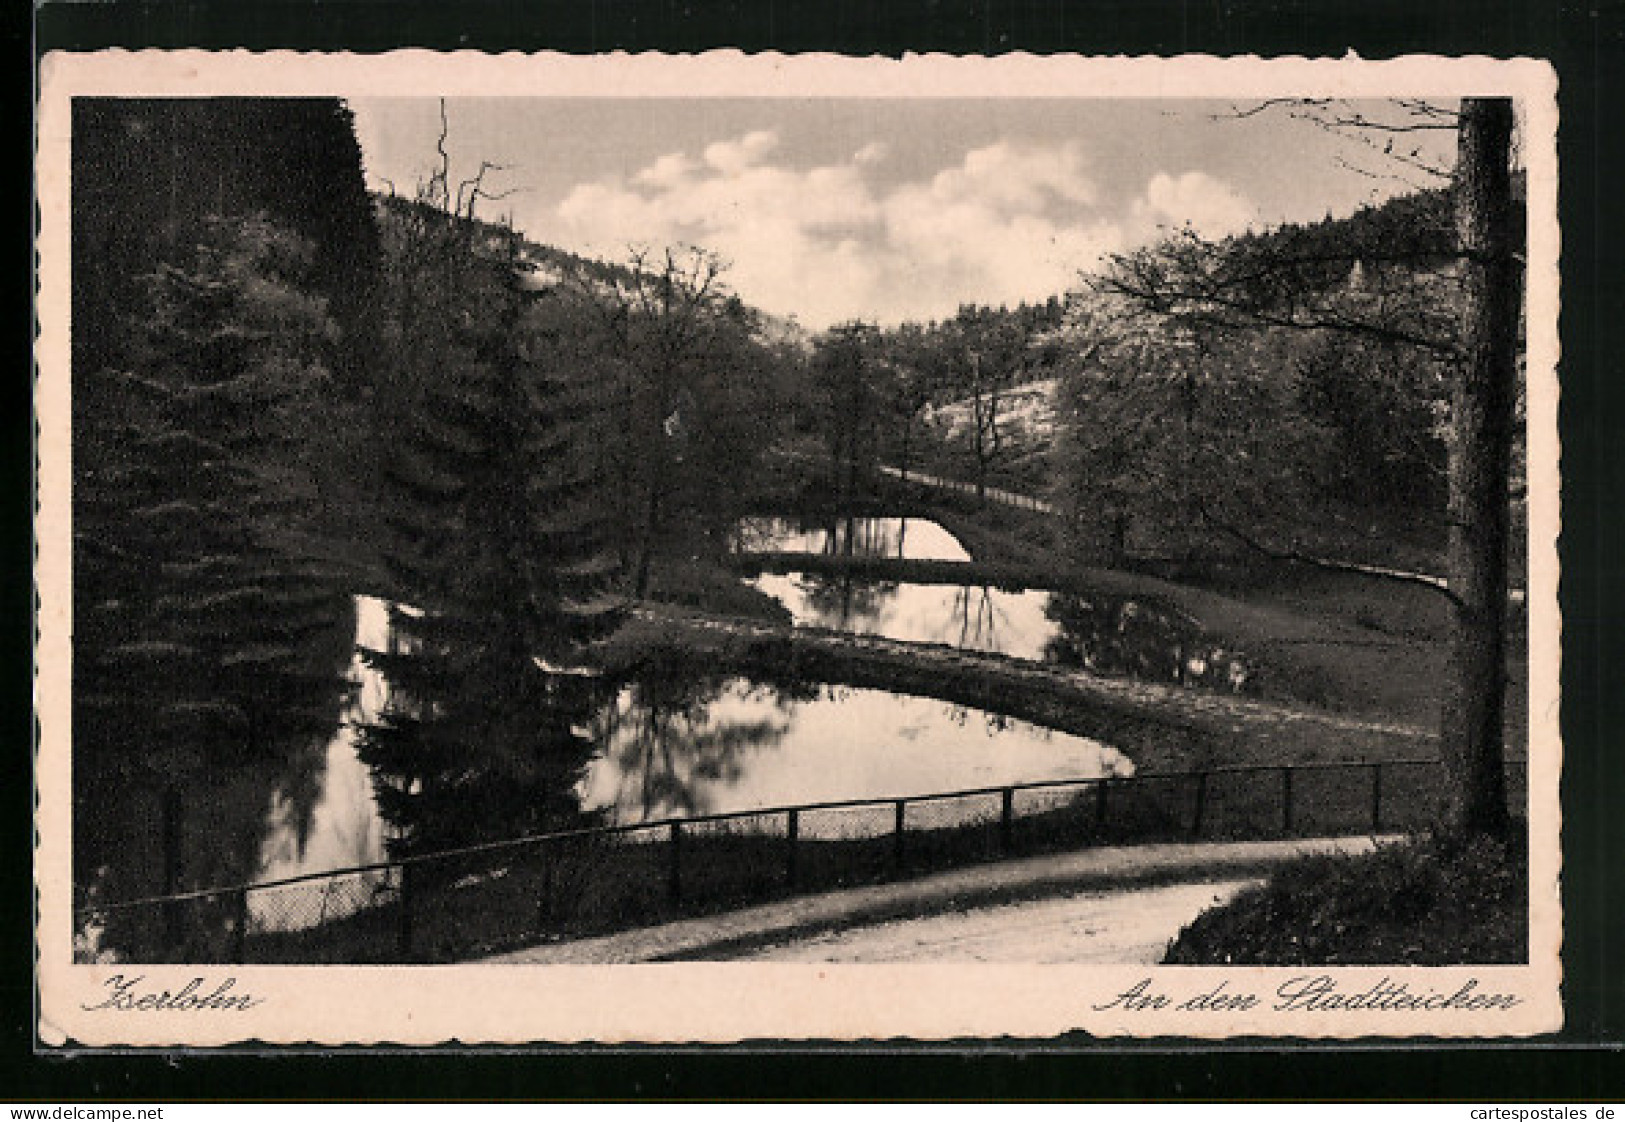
{"x":477,"y":740}
{"x":969,"y":617}
{"x":1115,"y":635}
{"x":912,"y":539}
{"x":667,"y":748}
{"x":340,"y":826}
{"x":672,"y":743}
{"x":129,"y":844}
{"x":739,"y":745}
{"x":1106,"y":634}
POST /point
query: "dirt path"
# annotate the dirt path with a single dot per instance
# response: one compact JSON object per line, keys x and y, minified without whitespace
{"x":1096,"y":878}
{"x":1125,"y":926}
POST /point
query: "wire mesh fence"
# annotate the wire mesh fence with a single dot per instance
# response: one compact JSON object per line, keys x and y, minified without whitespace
{"x":729,"y":862}
{"x":1408,"y":794}
{"x":837,"y":823}
{"x":465,"y":903}
{"x":953,"y":830}
{"x":836,"y":846}
{"x":311,"y":903}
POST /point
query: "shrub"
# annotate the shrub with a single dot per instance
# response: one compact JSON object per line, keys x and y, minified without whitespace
{"x":1434,"y":901}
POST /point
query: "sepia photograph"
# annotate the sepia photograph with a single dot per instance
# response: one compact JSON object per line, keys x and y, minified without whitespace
{"x":782,"y":528}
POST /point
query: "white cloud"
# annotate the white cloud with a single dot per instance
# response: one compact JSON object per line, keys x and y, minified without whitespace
{"x":734,"y":156}
{"x":1018,"y":177}
{"x":668,"y":171}
{"x":1008,"y":222}
{"x":871,"y":153}
{"x":1208,"y":205}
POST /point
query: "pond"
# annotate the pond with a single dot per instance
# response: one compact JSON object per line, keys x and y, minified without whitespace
{"x":690,"y":745}
{"x":678,"y":743}
{"x":910,"y":539}
{"x":342,"y":827}
{"x":698,"y":746}
{"x":969,"y":617}
{"x":736,"y":745}
{"x":1108,"y":634}
{"x":1122,"y":635}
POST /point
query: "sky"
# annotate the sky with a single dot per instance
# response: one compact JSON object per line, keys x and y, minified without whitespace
{"x":832,"y":209}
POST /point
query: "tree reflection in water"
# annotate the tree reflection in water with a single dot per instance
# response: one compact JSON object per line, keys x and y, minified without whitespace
{"x":1116,"y":635}
{"x":335,"y":824}
{"x":976,"y":619}
{"x":129,"y":845}
{"x":842,"y":603}
{"x":915,"y":539}
{"x":672,"y":739}
{"x":477,"y":743}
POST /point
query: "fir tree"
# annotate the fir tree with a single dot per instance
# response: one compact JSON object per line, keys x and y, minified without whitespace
{"x":494,"y":555}
{"x":221,"y":268}
{"x":196,"y":616}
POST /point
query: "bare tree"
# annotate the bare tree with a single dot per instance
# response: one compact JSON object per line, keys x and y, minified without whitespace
{"x":1389,"y":139}
{"x":655,"y":332}
{"x":1253,"y":284}
{"x":991,"y":359}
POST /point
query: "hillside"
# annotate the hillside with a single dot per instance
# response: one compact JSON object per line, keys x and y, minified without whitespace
{"x":1026,"y":417}
{"x":546,"y":266}
{"x":1390,"y":245}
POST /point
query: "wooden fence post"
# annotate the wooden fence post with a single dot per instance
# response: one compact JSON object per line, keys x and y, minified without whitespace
{"x":1286,"y":800}
{"x":1007,"y":819}
{"x":405,"y":904}
{"x":1201,"y":804}
{"x":1376,"y":797}
{"x":239,"y":934}
{"x":1100,"y":803}
{"x":674,"y":874}
{"x":546,"y":872}
{"x":897,"y":835}
{"x":792,"y":834}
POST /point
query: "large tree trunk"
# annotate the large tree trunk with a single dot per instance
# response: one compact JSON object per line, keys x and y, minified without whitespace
{"x":1482,"y":417}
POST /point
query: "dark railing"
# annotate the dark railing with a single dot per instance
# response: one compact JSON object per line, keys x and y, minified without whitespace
{"x":485,"y":898}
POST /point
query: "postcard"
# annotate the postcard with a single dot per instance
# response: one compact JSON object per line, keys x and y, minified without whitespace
{"x":723,"y":548}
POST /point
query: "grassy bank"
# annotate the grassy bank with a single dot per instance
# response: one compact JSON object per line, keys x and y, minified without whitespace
{"x":711,"y":585}
{"x":1429,"y":902}
{"x":1338,"y":642}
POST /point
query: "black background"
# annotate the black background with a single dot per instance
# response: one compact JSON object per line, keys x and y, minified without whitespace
{"x":1585,"y":41}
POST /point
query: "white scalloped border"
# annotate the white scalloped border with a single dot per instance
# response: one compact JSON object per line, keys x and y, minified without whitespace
{"x":730,"y":1002}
